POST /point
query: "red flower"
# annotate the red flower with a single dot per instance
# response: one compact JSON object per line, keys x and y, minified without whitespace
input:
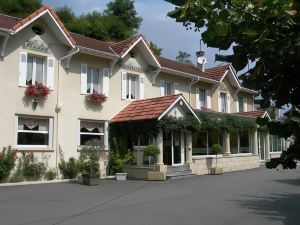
{"x":37,"y":90}
{"x":96,"y":98}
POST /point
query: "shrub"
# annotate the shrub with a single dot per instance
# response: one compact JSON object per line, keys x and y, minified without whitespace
{"x":90,"y":155}
{"x":216,"y":149}
{"x":69,"y":169}
{"x":50,"y":175}
{"x":16,"y":177}
{"x":151,"y":150}
{"x":8,"y":157}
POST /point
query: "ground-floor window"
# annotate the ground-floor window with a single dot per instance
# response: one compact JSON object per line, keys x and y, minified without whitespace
{"x":239,"y":142}
{"x":34,"y":131}
{"x":276,"y":143}
{"x":202,"y":142}
{"x":90,"y":130}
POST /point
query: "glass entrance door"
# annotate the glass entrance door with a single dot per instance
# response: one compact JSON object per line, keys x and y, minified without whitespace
{"x":177,"y":148}
{"x":261,"y":146}
{"x":173,"y":148}
{"x":167,"y":147}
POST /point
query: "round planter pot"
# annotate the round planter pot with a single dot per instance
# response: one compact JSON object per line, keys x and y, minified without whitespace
{"x":121,"y":176}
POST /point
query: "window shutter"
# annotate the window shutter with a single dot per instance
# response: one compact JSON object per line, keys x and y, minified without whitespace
{"x":162,"y":88}
{"x":124,"y":78}
{"x":237,"y":104}
{"x":245,"y":104}
{"x":228,"y":103}
{"x":208,"y":99}
{"x":23,"y":69}
{"x":219,"y":103}
{"x":176,"y":88}
{"x":106,"y":147}
{"x":197,"y":99}
{"x":142,"y":87}
{"x":83,"y":78}
{"x":50,"y":72}
{"x":105,"y":84}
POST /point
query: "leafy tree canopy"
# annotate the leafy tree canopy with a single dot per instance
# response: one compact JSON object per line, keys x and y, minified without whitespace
{"x":156,"y":50}
{"x":265,"y":33}
{"x":19,"y":8}
{"x":184,"y":57}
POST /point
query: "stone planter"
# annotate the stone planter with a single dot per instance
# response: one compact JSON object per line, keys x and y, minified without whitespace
{"x":216,"y":170}
{"x":90,"y":179}
{"x":121,"y":176}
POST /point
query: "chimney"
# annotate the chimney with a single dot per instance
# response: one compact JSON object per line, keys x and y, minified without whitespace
{"x":201,"y":60}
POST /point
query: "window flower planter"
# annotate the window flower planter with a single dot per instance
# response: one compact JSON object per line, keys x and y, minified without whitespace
{"x":37,"y":91}
{"x":95,"y":98}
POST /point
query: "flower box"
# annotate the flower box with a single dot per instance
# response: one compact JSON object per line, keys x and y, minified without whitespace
{"x":37,"y":90}
{"x":95,"y":98}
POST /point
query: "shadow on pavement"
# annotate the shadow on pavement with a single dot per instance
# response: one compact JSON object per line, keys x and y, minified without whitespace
{"x":295,"y":182}
{"x":275,"y":207}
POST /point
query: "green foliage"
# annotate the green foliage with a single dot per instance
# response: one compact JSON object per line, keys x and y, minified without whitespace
{"x":216,"y":149}
{"x":184,"y":57}
{"x":69,"y":169}
{"x":30,"y":167}
{"x":156,"y":50}
{"x":90,"y":155}
{"x":264,"y":33}
{"x":16,"y":177}
{"x":50,"y":175}
{"x":7,"y":162}
{"x":188,"y":123}
{"x":19,"y":8}
{"x":151,"y":150}
{"x":116,"y":160}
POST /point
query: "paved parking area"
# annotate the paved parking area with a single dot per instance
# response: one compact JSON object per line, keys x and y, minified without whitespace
{"x":258,"y":196}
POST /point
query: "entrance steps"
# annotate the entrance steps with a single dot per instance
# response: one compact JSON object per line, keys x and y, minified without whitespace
{"x":176,"y":172}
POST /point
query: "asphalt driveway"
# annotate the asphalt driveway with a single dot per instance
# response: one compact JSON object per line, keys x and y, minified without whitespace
{"x":259,"y":196}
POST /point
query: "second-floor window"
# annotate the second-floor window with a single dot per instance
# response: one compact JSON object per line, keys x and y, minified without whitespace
{"x":93,"y":80}
{"x":131,"y":87}
{"x":168,"y":89}
{"x":35,"y":70}
{"x":223,"y":103}
{"x":202,"y":98}
{"x":241,"y":104}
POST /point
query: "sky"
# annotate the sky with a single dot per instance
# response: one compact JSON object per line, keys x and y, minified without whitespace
{"x":156,"y":26}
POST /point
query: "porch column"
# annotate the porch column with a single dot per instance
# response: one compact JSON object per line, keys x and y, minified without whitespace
{"x":254,"y":143}
{"x":189,"y":148}
{"x":267,"y":146}
{"x":226,"y":143}
{"x":159,"y":142}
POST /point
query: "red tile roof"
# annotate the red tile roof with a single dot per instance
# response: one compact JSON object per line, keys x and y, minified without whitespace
{"x":121,"y":47}
{"x":258,"y":113}
{"x":92,"y":43}
{"x":174,"y":65}
{"x":216,"y":73}
{"x":145,"y":109}
{"x":8,"y":22}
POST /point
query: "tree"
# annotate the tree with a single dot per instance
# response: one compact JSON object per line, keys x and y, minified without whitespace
{"x":19,"y":8}
{"x":156,"y":50}
{"x":66,"y":15}
{"x":265,"y":34}
{"x":184,"y":57}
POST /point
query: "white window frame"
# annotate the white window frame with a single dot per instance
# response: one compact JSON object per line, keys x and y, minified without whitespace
{"x":105,"y":125}
{"x":225,"y":102}
{"x":34,"y":57}
{"x":90,"y":68}
{"x":238,"y":136}
{"x":205,"y":100}
{"x":241,"y":105}
{"x":168,"y":87}
{"x":279,"y":144}
{"x":129,"y":81}
{"x":49,"y":132}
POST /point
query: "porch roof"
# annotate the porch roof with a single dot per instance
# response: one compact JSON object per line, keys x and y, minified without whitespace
{"x":145,"y":109}
{"x":253,"y":114}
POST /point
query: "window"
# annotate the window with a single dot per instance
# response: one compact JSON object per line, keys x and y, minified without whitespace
{"x":223,"y":102}
{"x":168,"y":89}
{"x":241,"y":104}
{"x":131,"y":87}
{"x":91,"y":130}
{"x":34,"y":132}
{"x":202,"y":98}
{"x":202,"y":142}
{"x":239,"y":142}
{"x":35,"y":70}
{"x":276,"y":143}
{"x":93,"y":80}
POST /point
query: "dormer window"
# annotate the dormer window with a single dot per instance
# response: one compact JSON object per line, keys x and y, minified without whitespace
{"x":38,"y":30}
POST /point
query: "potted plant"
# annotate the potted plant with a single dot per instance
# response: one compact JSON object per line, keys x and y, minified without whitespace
{"x":117,"y":162}
{"x":95,"y":98}
{"x":216,"y":149}
{"x":88,"y":164}
{"x":153,"y":151}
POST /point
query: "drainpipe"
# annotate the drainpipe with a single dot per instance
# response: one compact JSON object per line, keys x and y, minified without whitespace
{"x":58,"y":106}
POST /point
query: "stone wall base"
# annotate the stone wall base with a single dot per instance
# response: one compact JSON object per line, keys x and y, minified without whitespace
{"x":228,"y":163}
